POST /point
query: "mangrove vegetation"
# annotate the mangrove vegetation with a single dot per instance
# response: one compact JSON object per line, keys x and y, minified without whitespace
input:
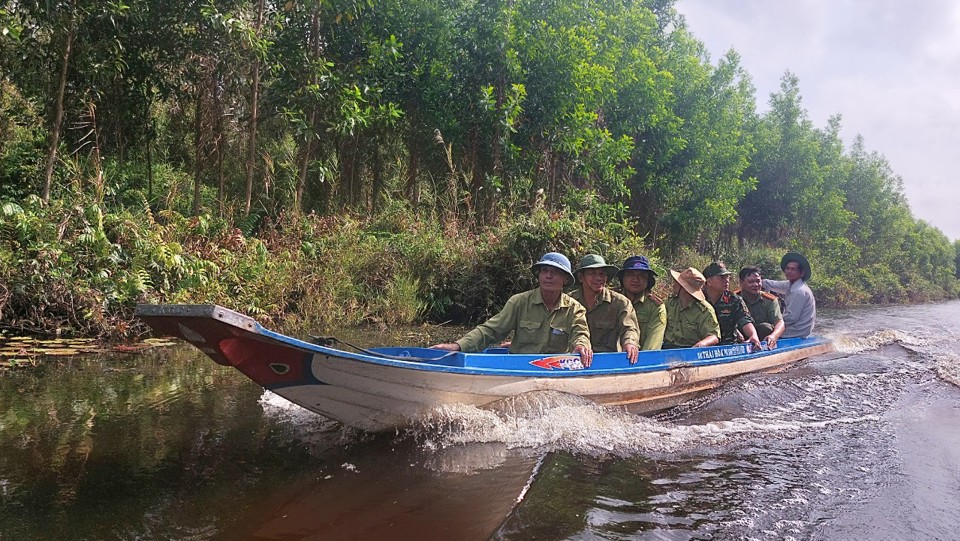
{"x":338,"y":162}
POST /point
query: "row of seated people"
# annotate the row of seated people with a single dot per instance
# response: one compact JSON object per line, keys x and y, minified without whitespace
{"x":702,"y":311}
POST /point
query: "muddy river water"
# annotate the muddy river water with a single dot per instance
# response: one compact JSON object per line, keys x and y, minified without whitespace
{"x":168,"y":445}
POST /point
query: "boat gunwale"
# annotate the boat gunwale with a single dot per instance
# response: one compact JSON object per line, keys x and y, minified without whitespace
{"x":627,"y":369}
{"x":474,"y":363}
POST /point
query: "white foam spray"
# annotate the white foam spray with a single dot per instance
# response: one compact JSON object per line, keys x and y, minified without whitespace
{"x":851,"y":344}
{"x":948,"y":367}
{"x":550,"y":421}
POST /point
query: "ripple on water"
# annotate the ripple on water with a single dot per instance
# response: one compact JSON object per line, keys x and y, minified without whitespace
{"x":948,"y":367}
{"x":853,"y":344}
{"x":941,"y":348}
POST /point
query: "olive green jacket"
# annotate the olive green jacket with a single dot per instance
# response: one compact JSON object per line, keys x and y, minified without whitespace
{"x":766,"y":309}
{"x":534,"y":328}
{"x":687,"y":326}
{"x":613,"y":321}
{"x":652,"y":316}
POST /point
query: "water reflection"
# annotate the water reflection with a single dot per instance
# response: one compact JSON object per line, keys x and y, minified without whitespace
{"x":170,"y":446}
{"x":389,"y":491}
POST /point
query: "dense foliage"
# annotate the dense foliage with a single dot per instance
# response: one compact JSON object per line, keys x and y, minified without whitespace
{"x":350,"y":160}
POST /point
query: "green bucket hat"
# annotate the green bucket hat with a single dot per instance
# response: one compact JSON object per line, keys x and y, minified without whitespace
{"x":802,"y":261}
{"x":593,"y":261}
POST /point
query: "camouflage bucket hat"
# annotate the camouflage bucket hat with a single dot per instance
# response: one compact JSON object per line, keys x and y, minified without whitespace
{"x":593,"y":261}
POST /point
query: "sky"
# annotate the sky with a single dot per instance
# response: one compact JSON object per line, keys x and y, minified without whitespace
{"x":890,"y":68}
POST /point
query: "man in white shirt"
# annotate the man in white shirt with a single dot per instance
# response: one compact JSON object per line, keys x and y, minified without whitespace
{"x":800,"y":312}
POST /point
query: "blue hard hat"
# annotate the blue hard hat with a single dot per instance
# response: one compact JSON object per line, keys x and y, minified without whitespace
{"x":557,"y":260}
{"x":638,"y":262}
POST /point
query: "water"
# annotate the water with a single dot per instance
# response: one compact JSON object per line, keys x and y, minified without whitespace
{"x":864,"y":444}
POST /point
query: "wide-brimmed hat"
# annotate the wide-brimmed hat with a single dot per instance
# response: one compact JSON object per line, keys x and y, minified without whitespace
{"x":804,"y":264}
{"x":691,"y":280}
{"x":641,"y":263}
{"x":557,"y":260}
{"x":717,"y":268}
{"x":594,"y":261}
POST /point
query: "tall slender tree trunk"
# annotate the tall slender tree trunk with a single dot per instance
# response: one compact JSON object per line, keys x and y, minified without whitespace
{"x":306,"y":155}
{"x":98,"y":179}
{"x":221,"y":176}
{"x":150,"y":167}
{"x":344,"y":188}
{"x":357,"y":173}
{"x":255,"y":102}
{"x":220,"y":146}
{"x":412,"y":189}
{"x":198,"y":152}
{"x":150,"y":133}
{"x":376,"y":191}
{"x":55,"y":129}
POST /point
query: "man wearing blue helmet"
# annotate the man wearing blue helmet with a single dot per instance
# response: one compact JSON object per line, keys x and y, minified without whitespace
{"x":637,"y":279}
{"x":542,"y":320}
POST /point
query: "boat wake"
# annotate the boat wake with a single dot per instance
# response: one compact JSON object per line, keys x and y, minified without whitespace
{"x":315,"y":430}
{"x":942,"y":351}
{"x":832,"y":391}
{"x":948,"y":367}
{"x":851,"y":344}
{"x":549,"y":421}
{"x":286,"y":412}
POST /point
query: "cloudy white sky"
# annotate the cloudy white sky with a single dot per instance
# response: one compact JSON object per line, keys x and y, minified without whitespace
{"x":891,"y":68}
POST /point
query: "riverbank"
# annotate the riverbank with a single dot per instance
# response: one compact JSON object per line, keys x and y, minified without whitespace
{"x":79,"y":270}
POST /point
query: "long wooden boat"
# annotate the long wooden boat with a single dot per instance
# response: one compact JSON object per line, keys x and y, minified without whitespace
{"x":389,"y":387}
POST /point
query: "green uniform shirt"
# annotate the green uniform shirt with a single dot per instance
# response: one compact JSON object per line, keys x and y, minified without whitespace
{"x":534,"y":328}
{"x":766,"y":309}
{"x":613,"y":321}
{"x":687,"y":326}
{"x":652,"y":318}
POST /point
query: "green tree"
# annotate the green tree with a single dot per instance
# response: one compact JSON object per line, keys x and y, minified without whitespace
{"x":956,"y":249}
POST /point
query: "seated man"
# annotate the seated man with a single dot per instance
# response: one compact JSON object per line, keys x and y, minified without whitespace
{"x":736,"y":324}
{"x":636,"y":283}
{"x":542,"y":320}
{"x":690,"y":319}
{"x":610,"y":315}
{"x":763,"y":306}
{"x":800,"y":311}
